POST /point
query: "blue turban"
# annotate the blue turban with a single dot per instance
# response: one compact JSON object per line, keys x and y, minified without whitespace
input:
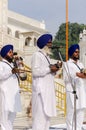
{"x":72,"y":49}
{"x":43,"y":40}
{"x":5,"y":49}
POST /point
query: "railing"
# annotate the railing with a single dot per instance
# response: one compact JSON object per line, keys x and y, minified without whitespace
{"x":60,"y":91}
{"x":60,"y":97}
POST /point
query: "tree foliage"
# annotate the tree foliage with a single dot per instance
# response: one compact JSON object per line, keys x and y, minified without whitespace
{"x":74,"y":30}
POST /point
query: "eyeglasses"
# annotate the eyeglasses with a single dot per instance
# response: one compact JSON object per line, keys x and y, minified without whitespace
{"x":77,"y":51}
{"x":50,"y":42}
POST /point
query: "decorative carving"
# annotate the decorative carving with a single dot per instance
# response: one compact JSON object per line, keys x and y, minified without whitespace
{"x":84,"y":31}
{"x":80,"y":35}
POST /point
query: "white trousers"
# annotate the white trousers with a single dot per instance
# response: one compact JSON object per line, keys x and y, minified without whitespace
{"x":70,"y":119}
{"x":7,"y":120}
{"x":40,"y":120}
{"x":6,"y":117}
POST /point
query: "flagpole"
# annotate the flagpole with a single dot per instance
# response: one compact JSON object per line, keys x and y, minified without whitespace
{"x":66,"y":30}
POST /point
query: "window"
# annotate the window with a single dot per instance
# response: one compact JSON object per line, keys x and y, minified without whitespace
{"x":27,"y":41}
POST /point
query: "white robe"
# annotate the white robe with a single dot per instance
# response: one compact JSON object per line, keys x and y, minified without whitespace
{"x":9,"y":95}
{"x":69,"y":75}
{"x":43,"y":84}
{"x":9,"y":87}
{"x":79,"y":83}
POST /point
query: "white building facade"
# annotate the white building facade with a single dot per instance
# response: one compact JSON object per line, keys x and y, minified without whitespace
{"x":82,"y":43}
{"x":20,"y":31}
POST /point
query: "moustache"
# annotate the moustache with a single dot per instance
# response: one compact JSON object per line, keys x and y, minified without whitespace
{"x":56,"y":47}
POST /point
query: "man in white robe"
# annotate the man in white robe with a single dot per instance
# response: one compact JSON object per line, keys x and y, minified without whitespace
{"x":43,"y":89}
{"x":74,"y":78}
{"x":9,"y":89}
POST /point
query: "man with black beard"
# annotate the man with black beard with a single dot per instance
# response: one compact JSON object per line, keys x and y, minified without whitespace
{"x":9,"y":89}
{"x":74,"y":77}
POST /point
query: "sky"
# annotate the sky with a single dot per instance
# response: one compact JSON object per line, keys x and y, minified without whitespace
{"x":53,"y":12}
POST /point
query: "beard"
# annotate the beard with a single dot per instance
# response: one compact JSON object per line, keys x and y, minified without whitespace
{"x":47,"y":50}
{"x":9,"y":59}
{"x":76,"y":58}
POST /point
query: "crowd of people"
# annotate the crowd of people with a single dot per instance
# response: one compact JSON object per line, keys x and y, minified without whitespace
{"x":43,"y":87}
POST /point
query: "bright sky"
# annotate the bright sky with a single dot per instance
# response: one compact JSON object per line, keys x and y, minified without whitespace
{"x":53,"y":12}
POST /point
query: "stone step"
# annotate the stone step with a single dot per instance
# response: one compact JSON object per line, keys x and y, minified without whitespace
{"x":23,"y":122}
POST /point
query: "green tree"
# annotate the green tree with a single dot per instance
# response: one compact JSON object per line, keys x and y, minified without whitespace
{"x":74,"y":30}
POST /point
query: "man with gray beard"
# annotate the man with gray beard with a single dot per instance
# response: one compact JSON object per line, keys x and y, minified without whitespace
{"x":43,"y":89}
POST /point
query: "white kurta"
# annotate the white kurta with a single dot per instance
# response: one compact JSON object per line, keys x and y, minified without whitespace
{"x":69,"y":75}
{"x":9,"y":89}
{"x":71,"y":69}
{"x":43,"y":84}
